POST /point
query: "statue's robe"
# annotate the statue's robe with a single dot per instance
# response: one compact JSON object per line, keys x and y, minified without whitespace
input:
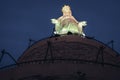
{"x":67,"y":24}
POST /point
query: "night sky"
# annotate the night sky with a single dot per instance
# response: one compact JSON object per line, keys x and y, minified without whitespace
{"x":24,"y":19}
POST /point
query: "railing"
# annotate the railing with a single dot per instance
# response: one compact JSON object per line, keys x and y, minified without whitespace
{"x":55,"y":61}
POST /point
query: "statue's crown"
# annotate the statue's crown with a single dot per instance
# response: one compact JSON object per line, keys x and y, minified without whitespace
{"x":66,"y":8}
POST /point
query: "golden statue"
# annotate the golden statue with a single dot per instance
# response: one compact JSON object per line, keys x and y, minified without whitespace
{"x":67,"y":23}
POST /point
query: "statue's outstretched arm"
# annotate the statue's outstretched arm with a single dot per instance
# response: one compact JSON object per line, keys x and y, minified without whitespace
{"x":54,"y":21}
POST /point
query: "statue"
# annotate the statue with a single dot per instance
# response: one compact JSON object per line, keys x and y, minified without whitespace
{"x":67,"y":23}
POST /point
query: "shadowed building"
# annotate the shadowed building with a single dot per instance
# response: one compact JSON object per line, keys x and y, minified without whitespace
{"x":69,"y":57}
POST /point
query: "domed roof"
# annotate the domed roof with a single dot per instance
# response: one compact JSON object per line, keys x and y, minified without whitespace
{"x":71,"y":48}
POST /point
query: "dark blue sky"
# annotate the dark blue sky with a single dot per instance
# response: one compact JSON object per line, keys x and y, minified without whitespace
{"x":24,"y":19}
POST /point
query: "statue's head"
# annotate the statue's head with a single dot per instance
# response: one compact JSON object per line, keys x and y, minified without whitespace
{"x":66,"y":10}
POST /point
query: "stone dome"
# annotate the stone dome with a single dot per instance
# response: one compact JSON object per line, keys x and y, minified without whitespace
{"x":71,"y":48}
{"x":69,"y":57}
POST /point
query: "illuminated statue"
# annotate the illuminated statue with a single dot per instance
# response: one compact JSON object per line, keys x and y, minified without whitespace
{"x":67,"y":23}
